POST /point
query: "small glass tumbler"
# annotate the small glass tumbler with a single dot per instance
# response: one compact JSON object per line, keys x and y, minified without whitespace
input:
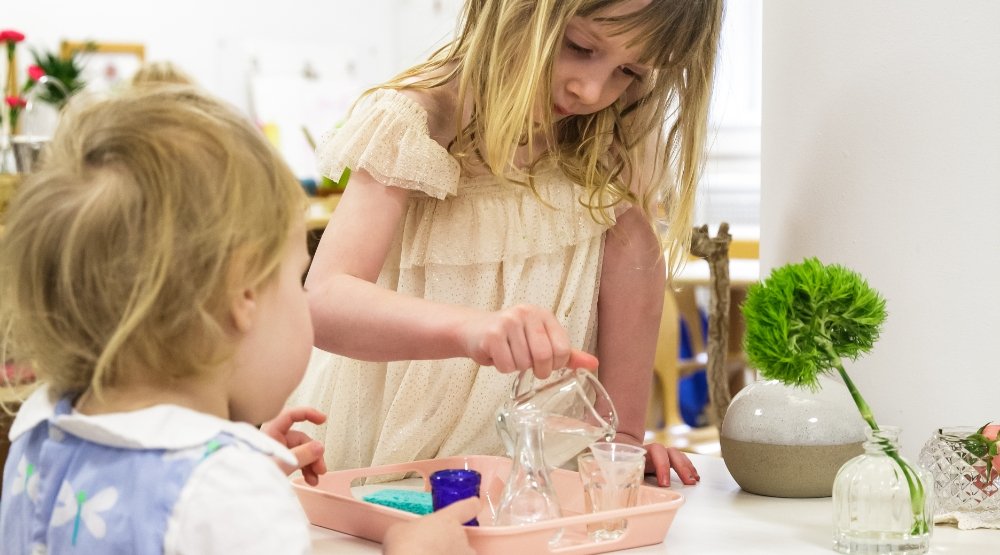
{"x":966,"y":475}
{"x":611,"y":475}
{"x":449,"y":486}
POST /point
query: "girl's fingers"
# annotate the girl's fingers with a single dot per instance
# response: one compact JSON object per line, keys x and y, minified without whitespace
{"x":660,"y":460}
{"x":683,"y":467}
{"x":518,"y":345}
{"x":559,"y":343}
{"x":501,"y":357}
{"x":540,"y":342}
{"x":581,"y":359}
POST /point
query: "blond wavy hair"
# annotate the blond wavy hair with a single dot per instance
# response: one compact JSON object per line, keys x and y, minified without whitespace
{"x":502,"y":60}
{"x":123,"y":252}
{"x":160,"y":72}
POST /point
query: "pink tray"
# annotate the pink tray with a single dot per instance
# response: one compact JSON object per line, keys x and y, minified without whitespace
{"x":331,"y":504}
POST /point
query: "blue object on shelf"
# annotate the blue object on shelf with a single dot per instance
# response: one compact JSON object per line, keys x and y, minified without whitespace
{"x":692,"y":390}
{"x":309,"y":185}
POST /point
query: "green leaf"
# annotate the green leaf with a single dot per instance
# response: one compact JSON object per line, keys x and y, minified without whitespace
{"x":976,"y":444}
{"x":67,"y":71}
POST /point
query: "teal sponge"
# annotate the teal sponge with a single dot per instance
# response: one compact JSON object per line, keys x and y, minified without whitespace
{"x":417,"y":502}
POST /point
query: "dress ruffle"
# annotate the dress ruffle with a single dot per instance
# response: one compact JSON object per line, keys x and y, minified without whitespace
{"x":489,"y":223}
{"x":387,"y":136}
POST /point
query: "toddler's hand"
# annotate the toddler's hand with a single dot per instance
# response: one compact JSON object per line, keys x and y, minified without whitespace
{"x":438,"y":533}
{"x":307,"y":451}
{"x":523,"y":337}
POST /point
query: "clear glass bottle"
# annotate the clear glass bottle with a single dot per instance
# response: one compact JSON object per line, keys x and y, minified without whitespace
{"x":528,"y":496}
{"x":882,"y":503}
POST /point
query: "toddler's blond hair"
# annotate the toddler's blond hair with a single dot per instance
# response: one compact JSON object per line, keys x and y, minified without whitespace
{"x":160,"y":72}
{"x":125,"y":249}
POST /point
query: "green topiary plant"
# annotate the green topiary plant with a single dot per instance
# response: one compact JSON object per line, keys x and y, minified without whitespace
{"x":804,"y":320}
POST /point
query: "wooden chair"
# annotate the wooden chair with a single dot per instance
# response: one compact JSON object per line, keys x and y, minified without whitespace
{"x":719,"y":352}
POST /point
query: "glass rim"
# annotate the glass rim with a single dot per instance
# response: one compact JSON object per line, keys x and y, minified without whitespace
{"x":957,"y":432}
{"x":456,"y":474}
{"x":612,"y":448}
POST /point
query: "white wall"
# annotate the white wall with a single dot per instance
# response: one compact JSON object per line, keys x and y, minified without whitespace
{"x":730,"y":188}
{"x":211,"y":38}
{"x":220,"y":42}
{"x":881,"y":151}
{"x":255,"y":53}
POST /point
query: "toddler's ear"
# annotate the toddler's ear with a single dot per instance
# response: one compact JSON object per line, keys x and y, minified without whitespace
{"x":243,"y":297}
{"x":243,"y":309}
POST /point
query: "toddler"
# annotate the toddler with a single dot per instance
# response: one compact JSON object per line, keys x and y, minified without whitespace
{"x":150,"y":277}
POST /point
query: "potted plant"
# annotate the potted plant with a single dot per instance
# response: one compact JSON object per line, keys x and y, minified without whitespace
{"x":802,"y":322}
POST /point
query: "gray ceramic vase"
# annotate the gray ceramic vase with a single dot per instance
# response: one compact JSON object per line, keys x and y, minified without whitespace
{"x":783,"y":441}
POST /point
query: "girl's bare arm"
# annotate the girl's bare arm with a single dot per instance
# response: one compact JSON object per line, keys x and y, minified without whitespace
{"x":354,"y":317}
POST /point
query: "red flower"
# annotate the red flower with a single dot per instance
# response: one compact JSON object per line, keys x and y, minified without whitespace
{"x":10,"y":35}
{"x":35,"y":73}
{"x":16,"y":102}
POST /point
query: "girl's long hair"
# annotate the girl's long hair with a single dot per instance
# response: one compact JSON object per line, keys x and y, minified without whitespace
{"x":502,"y":59}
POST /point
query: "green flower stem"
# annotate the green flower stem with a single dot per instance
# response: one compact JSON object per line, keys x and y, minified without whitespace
{"x":863,"y":408}
{"x":912,"y":480}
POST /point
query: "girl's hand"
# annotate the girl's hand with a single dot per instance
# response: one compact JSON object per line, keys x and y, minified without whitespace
{"x":523,"y":337}
{"x":660,"y":459}
{"x":438,"y":533}
{"x":307,"y":451}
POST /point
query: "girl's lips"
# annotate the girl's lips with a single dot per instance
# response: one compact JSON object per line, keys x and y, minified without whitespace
{"x":561,"y":111}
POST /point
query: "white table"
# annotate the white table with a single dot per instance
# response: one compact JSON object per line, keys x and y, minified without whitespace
{"x":719,"y":518}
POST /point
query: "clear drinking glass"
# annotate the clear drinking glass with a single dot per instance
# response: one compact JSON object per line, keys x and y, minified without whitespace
{"x":576,"y":408}
{"x":881,"y":503}
{"x":611,"y":475}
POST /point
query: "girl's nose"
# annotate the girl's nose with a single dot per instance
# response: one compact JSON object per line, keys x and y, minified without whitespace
{"x":587,"y":89}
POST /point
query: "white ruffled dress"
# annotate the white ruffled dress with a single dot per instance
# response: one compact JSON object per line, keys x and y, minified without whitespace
{"x":464,"y":240}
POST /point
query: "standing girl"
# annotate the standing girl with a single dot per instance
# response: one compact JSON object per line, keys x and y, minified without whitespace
{"x":501,"y":216}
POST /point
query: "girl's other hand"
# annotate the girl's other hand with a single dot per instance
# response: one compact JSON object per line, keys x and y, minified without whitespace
{"x":438,"y":533}
{"x":308,"y":452}
{"x":660,"y":459}
{"x":523,"y":337}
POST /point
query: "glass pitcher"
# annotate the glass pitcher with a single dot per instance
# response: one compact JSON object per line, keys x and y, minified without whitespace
{"x":576,"y":409}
